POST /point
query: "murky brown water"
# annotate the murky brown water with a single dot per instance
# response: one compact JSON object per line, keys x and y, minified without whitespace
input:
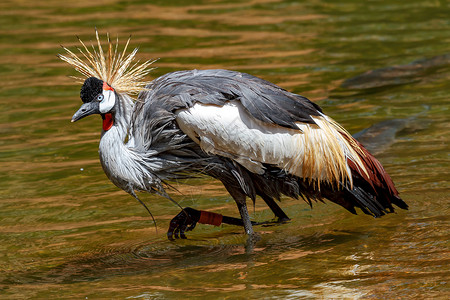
{"x":66,"y":232}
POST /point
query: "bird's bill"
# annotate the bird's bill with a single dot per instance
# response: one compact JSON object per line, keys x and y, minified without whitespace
{"x":85,"y":110}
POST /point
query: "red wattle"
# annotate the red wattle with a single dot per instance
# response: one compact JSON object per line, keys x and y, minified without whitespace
{"x":107,"y":122}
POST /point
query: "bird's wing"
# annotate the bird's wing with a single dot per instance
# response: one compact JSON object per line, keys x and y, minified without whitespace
{"x":314,"y":151}
{"x":263,"y":100}
{"x":254,"y":122}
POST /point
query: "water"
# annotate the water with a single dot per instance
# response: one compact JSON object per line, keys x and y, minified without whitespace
{"x":66,"y":232}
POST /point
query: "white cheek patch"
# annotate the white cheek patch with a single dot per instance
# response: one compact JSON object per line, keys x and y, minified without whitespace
{"x":109,"y":99}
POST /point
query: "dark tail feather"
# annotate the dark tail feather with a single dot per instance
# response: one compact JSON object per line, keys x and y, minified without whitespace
{"x":375,"y":191}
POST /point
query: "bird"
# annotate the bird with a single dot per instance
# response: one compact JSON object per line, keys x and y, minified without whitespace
{"x":255,"y":137}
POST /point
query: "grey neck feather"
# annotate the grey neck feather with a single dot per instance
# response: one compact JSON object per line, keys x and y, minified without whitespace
{"x":125,"y":167}
{"x":156,"y":150}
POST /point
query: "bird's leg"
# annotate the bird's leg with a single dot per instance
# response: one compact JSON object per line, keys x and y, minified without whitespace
{"x":252,"y":236}
{"x":188,"y":218}
{"x":242,"y":206}
{"x":279,"y":213}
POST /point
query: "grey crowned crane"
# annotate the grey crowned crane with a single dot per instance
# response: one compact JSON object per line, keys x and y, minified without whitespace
{"x":255,"y":137}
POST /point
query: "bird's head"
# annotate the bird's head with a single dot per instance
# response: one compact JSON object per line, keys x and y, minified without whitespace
{"x":109,"y":73}
{"x":98,"y":98}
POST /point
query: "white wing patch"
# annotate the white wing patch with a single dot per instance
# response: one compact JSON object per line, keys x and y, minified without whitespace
{"x":316,"y":152}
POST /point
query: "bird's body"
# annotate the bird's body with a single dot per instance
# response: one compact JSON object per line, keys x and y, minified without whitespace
{"x":255,"y":137}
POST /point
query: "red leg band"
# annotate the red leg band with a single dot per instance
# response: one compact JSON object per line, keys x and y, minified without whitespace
{"x":210,"y":218}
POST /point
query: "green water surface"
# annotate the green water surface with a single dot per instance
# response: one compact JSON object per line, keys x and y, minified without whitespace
{"x":66,"y":232}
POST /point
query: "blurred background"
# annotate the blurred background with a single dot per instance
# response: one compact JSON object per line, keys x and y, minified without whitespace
{"x":66,"y":232}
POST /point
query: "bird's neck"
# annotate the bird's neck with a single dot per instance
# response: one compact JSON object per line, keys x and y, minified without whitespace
{"x":118,"y":161}
{"x":120,"y":120}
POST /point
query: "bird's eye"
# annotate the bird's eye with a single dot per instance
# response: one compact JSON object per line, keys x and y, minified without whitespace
{"x":100,"y":97}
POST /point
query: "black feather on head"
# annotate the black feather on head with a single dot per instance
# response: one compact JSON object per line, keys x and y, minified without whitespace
{"x":90,"y":89}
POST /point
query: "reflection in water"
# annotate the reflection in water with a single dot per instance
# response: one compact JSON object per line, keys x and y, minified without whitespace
{"x":65,"y":232}
{"x":380,"y":136}
{"x":399,"y":74}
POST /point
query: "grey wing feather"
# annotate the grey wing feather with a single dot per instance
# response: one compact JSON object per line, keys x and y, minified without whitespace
{"x":262,"y":99}
{"x":168,"y":150}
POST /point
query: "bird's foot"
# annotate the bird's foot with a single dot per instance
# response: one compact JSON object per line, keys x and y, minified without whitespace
{"x":186,"y":220}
